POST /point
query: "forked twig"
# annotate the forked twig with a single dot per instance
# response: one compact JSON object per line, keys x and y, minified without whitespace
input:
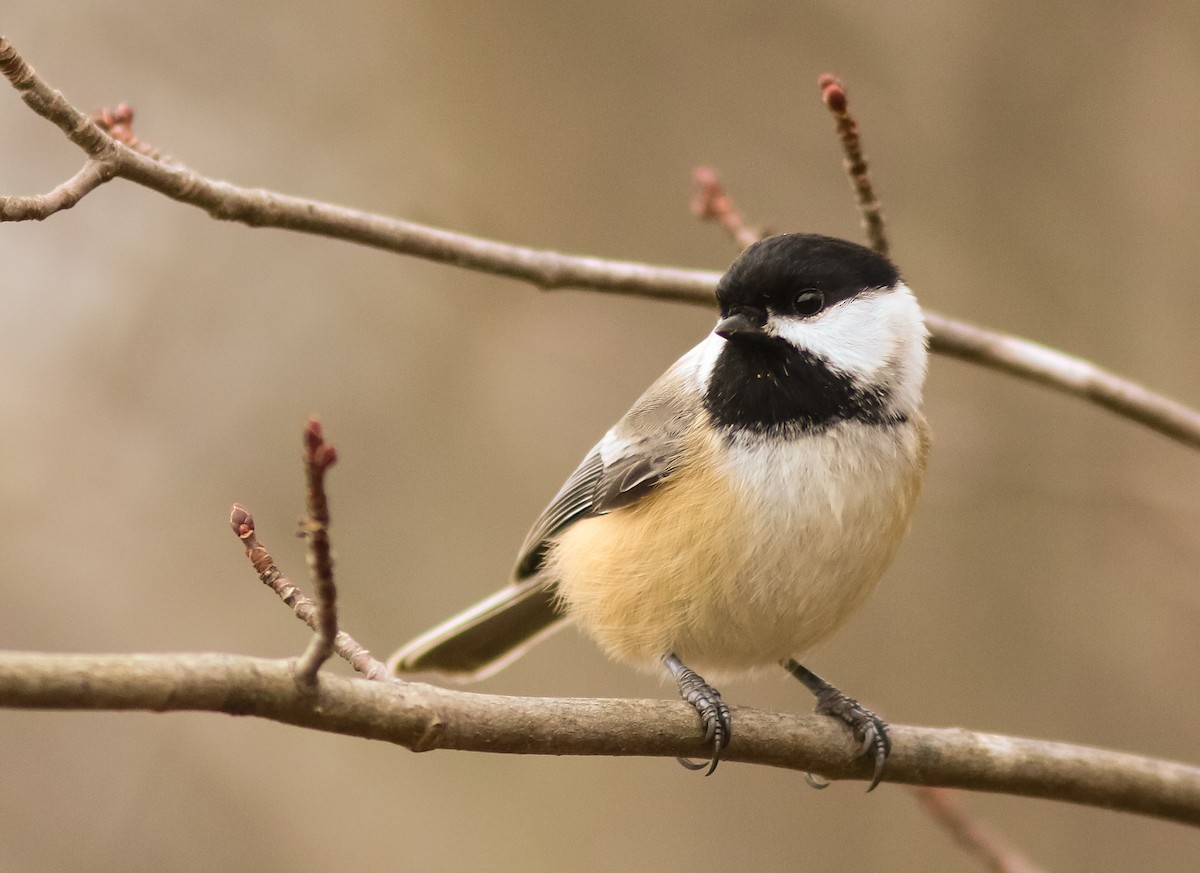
{"x":344,"y":645}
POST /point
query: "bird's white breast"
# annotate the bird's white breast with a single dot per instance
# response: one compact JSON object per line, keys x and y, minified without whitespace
{"x":752,"y":553}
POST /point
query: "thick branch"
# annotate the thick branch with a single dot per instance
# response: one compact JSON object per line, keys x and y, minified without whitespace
{"x":549,"y":269}
{"x":422,"y":717}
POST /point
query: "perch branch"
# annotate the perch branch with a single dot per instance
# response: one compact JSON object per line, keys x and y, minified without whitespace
{"x":422,"y":717}
{"x":548,"y":269}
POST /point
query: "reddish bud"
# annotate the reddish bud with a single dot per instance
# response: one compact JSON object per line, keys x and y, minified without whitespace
{"x":835,"y":98}
{"x":241,"y":521}
{"x":313,"y":435}
{"x":707,"y":191}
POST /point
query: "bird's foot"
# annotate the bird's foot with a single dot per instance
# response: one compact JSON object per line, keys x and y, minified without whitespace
{"x":714,"y":714}
{"x":869,"y":729}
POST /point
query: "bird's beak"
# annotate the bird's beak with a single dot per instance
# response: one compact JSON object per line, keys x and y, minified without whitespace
{"x":741,"y":322}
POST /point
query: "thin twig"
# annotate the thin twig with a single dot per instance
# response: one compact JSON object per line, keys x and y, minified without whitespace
{"x":319,"y":456}
{"x":305,"y":609}
{"x":976,"y":836}
{"x":834,"y":96}
{"x":422,"y":717}
{"x":549,"y":269}
{"x":711,"y":203}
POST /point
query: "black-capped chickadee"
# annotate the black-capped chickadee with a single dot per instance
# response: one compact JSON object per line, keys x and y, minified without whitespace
{"x":746,"y":504}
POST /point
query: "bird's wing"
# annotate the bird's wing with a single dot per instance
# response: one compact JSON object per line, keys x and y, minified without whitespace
{"x":638,"y":453}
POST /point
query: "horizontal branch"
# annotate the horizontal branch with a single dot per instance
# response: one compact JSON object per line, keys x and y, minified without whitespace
{"x":422,"y":717}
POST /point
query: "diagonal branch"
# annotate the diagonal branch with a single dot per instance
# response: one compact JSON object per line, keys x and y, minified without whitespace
{"x":422,"y":717}
{"x":549,"y":269}
{"x":974,"y":835}
{"x":1065,"y":373}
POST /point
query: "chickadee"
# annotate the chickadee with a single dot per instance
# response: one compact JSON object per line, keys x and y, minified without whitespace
{"x":746,"y":504}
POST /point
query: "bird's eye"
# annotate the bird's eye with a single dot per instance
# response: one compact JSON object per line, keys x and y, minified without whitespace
{"x":809,"y":302}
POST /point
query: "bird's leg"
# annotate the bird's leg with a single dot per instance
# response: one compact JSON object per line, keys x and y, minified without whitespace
{"x":714,"y":714}
{"x":869,"y":729}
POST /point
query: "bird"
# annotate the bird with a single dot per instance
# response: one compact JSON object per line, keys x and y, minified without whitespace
{"x":745,"y":505}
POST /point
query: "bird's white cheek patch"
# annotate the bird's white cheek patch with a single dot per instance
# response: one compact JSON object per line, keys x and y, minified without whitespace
{"x":864,"y":336}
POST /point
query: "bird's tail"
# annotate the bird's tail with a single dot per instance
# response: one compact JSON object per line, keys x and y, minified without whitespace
{"x":487,"y":637}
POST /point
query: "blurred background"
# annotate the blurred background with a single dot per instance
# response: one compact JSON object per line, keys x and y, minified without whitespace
{"x":1040,"y":169}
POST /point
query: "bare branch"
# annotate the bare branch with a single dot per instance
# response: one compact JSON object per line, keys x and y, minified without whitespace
{"x":976,"y":836}
{"x":548,"y":269}
{"x":834,"y":96}
{"x":422,"y":718}
{"x":344,"y":645}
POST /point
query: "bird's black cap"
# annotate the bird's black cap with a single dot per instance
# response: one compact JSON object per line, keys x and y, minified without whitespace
{"x":772,"y":271}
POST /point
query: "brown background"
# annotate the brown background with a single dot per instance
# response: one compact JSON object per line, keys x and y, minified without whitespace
{"x":1040,"y":164}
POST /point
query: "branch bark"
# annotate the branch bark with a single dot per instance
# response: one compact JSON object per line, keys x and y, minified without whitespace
{"x":422,"y":717}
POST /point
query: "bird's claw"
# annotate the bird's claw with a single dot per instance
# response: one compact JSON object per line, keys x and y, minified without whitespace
{"x":714,"y":713}
{"x":815,"y":782}
{"x":869,"y":729}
